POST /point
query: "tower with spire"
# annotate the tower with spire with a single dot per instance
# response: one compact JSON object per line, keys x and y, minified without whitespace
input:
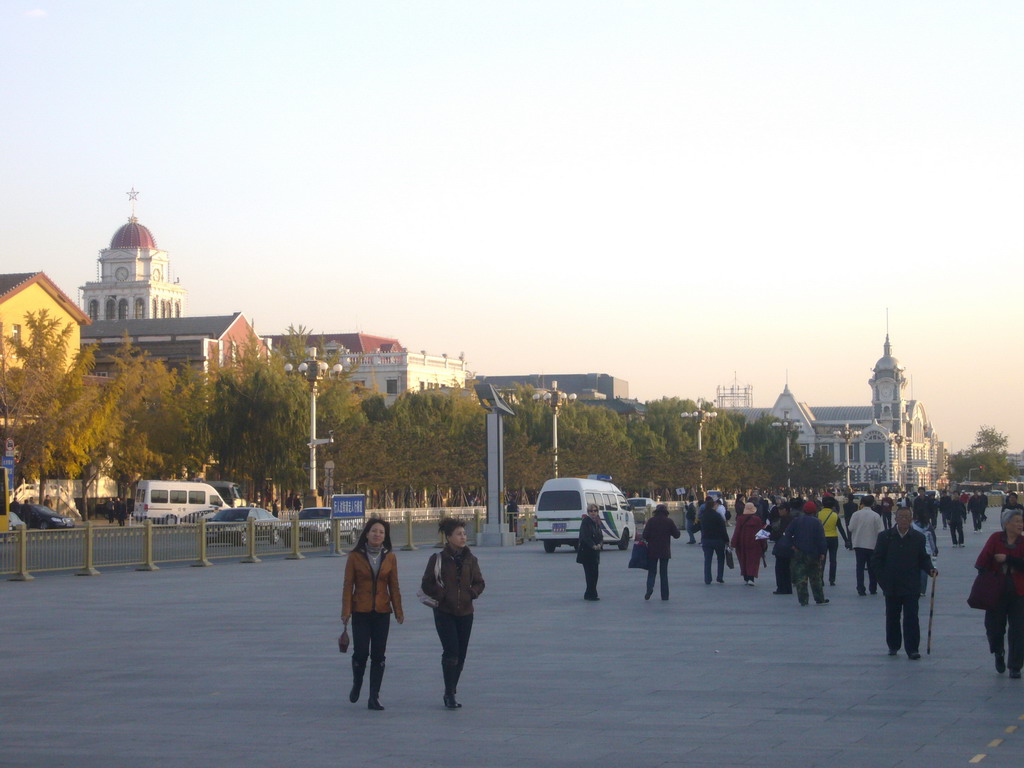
{"x":134,"y":277}
{"x":888,"y":383}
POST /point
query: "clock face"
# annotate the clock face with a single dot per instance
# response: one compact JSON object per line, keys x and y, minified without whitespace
{"x":885,"y":391}
{"x":156,"y":274}
{"x":121,"y":273}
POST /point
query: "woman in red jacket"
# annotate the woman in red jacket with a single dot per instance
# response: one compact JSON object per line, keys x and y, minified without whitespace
{"x":1003,"y":553}
{"x":748,"y":547}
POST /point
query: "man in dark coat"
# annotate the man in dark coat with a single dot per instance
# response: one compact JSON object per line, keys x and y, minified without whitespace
{"x":977,"y":506}
{"x":806,"y":535}
{"x":957,"y":517}
{"x":925,"y":505}
{"x":588,"y":549}
{"x":898,"y":560}
{"x":658,"y":533}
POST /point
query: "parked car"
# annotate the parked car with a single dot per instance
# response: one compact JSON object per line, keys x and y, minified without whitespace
{"x":38,"y":516}
{"x":315,"y":526}
{"x":228,"y":526}
{"x":643,"y":506}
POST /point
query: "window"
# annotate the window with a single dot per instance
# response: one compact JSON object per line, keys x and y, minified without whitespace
{"x":122,"y":309}
{"x":609,"y":502}
{"x":111,"y":311}
{"x":874,"y":453}
{"x":392,"y":386}
{"x":155,"y":313}
{"x":854,"y":452}
{"x":553,"y":501}
{"x":94,"y":310}
{"x":140,"y":309}
{"x":177,"y":309}
{"x":179,"y":497}
{"x":157,"y":497}
{"x":16,"y":332}
{"x":197,"y":497}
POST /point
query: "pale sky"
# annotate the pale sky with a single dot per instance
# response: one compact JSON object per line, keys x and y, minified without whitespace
{"x":668,"y":192}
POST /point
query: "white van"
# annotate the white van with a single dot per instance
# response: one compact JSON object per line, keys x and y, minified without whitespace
{"x":167,"y":501}
{"x":563,"y":503}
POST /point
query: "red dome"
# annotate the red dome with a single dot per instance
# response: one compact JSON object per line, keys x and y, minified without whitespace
{"x":133,"y":235}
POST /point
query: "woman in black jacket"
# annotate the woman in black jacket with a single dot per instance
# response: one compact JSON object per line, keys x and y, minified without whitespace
{"x":453,"y":579}
{"x":588,"y":549}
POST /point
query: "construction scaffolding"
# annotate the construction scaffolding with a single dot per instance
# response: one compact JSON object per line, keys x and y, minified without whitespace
{"x":735,"y":395}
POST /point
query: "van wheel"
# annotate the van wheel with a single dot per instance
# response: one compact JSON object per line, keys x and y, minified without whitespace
{"x":549,"y":546}
{"x":624,"y":541}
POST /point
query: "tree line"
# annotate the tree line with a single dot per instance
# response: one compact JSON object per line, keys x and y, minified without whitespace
{"x":249,"y":422}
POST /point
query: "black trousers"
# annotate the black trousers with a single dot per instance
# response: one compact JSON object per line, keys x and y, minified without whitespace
{"x":783,"y":576}
{"x":976,"y":519}
{"x":832,"y":542}
{"x":711,"y":548}
{"x":956,"y":530}
{"x":659,"y":563}
{"x":453,"y":632}
{"x":910,"y":638}
{"x":864,"y":563}
{"x":1010,"y":615}
{"x":590,"y":573}
{"x":370,"y":636}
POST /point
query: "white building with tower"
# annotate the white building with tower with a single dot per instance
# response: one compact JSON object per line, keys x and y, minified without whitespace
{"x":891,"y":441}
{"x":134,"y":278}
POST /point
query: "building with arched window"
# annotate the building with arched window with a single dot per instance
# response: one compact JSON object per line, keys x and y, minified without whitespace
{"x":896,"y":445}
{"x":134,"y":280}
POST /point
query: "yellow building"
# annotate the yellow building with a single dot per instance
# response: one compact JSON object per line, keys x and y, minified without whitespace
{"x":30,"y":292}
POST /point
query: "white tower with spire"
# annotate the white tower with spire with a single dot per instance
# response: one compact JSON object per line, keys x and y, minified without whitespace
{"x":134,"y":278}
{"x":887,"y":385}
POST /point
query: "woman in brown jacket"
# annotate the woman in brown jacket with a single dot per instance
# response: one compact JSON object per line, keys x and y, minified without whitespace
{"x":453,"y":579}
{"x":370,"y":594}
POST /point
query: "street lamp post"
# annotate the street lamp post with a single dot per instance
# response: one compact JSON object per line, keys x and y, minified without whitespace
{"x":898,"y":439}
{"x":314,"y":370}
{"x":789,"y":426}
{"x":847,"y":435}
{"x":702,"y":417}
{"x":556,"y":399}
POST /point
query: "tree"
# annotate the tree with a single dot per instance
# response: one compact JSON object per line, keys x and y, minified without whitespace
{"x":985,"y":460}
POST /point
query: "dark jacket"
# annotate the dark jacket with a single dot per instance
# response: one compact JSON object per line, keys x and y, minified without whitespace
{"x":977,"y":504}
{"x":590,"y":537}
{"x":807,"y":536}
{"x":945,"y":505}
{"x":711,"y":526}
{"x":898,"y":561}
{"x":957,"y":511}
{"x":462,"y":585}
{"x":658,"y":533}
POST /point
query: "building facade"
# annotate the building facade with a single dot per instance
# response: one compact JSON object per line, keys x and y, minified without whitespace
{"x":585,"y":385}
{"x":895,"y":443}
{"x":25,"y":292}
{"x":134,"y":280}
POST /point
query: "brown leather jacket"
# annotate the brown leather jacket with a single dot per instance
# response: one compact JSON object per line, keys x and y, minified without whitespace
{"x":363,"y":594}
{"x":460,"y":590}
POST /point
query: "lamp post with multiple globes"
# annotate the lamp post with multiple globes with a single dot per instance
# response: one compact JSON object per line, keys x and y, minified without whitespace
{"x":314,"y":371}
{"x":556,"y":399}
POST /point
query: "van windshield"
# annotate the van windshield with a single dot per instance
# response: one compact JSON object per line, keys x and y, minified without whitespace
{"x":552,"y":501}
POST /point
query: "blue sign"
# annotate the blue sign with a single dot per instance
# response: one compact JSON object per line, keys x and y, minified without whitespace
{"x":348,"y":506}
{"x":7,"y":462}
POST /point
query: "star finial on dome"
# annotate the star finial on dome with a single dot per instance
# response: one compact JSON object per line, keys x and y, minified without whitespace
{"x":133,"y":195}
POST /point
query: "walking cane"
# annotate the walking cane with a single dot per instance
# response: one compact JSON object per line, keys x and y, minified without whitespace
{"x":931,"y":614}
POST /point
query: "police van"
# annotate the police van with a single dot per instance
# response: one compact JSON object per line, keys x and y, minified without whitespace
{"x":167,"y":501}
{"x":563,"y":502}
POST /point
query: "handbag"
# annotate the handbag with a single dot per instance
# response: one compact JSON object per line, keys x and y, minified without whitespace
{"x":729,"y":561}
{"x":422,"y":596}
{"x":987,"y":591}
{"x":639,"y":558}
{"x":343,"y":641}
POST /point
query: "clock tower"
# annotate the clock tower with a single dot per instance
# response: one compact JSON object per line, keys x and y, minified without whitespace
{"x":887,"y":385}
{"x":134,"y":278}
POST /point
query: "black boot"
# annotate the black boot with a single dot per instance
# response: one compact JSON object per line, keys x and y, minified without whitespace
{"x":376,"y":676}
{"x":450,"y":670}
{"x":1000,"y":663}
{"x":358,"y":668}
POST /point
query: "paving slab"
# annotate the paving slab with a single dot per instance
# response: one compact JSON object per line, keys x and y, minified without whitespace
{"x":237,"y":664}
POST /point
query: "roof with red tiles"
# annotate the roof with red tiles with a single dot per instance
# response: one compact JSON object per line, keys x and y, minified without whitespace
{"x":360,"y":343}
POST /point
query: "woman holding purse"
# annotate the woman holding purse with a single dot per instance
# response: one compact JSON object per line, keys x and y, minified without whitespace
{"x":369,"y":596}
{"x":453,"y":579}
{"x":1003,"y":553}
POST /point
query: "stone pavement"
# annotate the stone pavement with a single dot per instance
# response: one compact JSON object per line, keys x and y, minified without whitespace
{"x":238,"y":665}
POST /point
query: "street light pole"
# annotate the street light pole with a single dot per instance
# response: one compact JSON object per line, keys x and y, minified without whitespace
{"x":555,"y":399}
{"x":314,"y":370}
{"x":788,"y":426}
{"x":702,"y":417}
{"x":898,"y":439}
{"x":847,"y":435}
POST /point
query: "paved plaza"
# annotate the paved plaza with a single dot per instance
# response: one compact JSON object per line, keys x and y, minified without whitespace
{"x":237,"y":664}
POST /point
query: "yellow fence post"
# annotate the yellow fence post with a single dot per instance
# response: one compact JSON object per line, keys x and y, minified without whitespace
{"x":148,"y":564}
{"x":295,"y":554}
{"x":87,"y":566}
{"x":250,"y":535}
{"x":335,"y":548}
{"x":21,"y":574}
{"x":202,"y":562}
{"x":409,"y":546}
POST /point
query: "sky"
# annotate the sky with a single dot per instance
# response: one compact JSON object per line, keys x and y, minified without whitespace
{"x":678,"y":194}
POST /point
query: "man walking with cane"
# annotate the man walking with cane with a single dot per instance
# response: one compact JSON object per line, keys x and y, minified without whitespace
{"x":898,"y":560}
